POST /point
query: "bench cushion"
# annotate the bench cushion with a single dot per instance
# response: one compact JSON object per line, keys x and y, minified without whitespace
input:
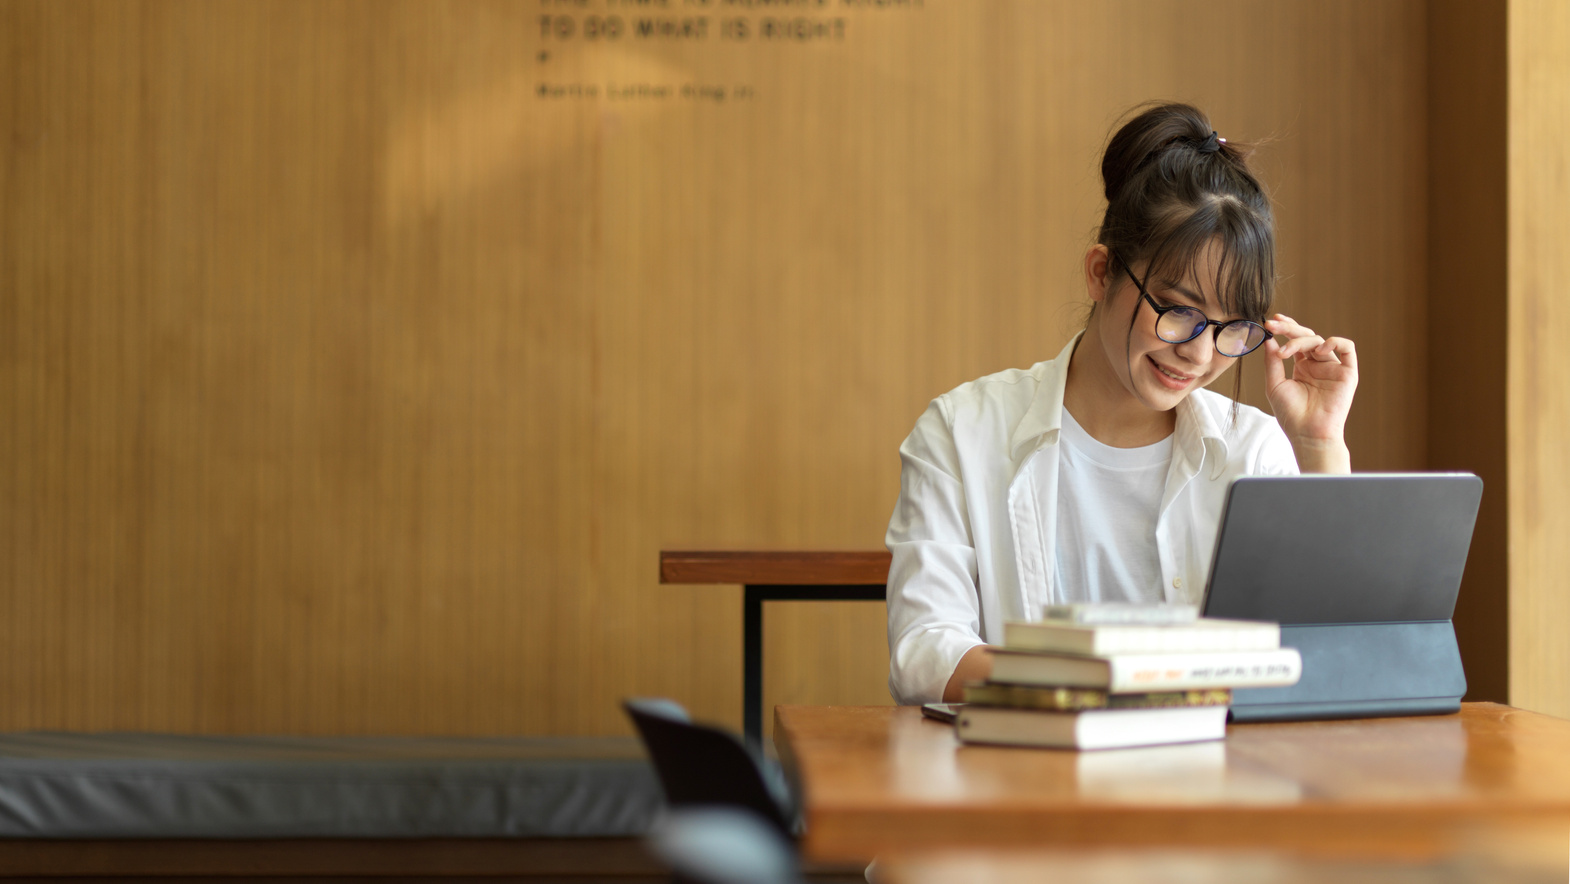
{"x":129,"y":785}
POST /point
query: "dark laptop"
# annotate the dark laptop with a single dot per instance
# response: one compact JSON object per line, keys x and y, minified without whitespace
{"x":1362,"y":573}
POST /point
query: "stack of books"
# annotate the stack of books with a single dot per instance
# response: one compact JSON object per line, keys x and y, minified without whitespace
{"x":1113,"y":676}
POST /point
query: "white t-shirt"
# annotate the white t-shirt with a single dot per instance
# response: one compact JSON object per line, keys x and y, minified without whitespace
{"x":1108,"y":502}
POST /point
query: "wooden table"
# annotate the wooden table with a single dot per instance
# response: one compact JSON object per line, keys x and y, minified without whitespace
{"x":1536,"y":859}
{"x":776,"y":576}
{"x":884,"y":781}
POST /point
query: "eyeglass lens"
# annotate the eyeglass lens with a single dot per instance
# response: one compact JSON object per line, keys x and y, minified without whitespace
{"x":1181,"y":324}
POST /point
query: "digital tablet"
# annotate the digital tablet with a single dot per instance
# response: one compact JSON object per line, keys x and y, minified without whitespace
{"x":1362,"y":573}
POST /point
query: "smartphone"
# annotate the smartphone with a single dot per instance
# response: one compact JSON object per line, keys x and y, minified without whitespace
{"x":944,"y":712}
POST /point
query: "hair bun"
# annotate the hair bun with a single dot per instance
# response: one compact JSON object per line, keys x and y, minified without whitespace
{"x":1145,"y":136}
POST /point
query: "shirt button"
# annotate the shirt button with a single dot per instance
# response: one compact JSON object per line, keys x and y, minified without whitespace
{"x":1177,"y":583}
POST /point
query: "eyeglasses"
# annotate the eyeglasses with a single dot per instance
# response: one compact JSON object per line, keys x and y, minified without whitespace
{"x":1178,"y":325}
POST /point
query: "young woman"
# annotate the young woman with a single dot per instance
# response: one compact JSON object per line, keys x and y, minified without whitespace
{"x":1100,"y":475}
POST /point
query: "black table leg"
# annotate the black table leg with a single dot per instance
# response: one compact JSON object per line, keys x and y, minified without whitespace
{"x":752,"y":665}
{"x":752,"y":637}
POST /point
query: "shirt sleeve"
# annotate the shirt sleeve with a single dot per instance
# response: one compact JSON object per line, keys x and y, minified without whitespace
{"x":934,"y":606}
{"x":1275,"y":456}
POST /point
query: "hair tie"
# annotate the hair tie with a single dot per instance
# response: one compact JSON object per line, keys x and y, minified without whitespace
{"x":1211,"y":144}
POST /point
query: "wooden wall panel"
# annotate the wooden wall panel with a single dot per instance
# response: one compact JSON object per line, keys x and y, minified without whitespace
{"x":1467,"y":310}
{"x":352,"y":384}
{"x":1539,"y":398}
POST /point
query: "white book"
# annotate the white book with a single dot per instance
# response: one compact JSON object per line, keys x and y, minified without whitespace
{"x":1091,"y":729}
{"x":1121,"y":612}
{"x":1144,"y":673}
{"x":1204,"y":634}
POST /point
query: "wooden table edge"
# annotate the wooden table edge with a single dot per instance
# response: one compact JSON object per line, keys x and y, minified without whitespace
{"x":1369,"y":832}
{"x":775,"y":567}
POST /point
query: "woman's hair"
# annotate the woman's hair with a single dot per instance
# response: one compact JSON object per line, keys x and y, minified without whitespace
{"x":1173,"y":187}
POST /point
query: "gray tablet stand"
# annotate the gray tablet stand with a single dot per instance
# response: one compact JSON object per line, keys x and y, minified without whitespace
{"x":1362,"y":573}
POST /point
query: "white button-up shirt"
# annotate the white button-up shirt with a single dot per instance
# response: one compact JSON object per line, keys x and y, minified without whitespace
{"x":974,"y":533}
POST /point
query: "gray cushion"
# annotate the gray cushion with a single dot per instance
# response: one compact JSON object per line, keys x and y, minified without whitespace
{"x":68,"y":785}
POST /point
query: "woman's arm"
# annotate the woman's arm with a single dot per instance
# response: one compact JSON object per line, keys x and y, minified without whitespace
{"x":1312,"y":404}
{"x":976,"y":665}
{"x":934,"y":607}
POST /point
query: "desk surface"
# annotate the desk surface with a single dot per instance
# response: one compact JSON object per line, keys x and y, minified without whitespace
{"x":880,"y":780}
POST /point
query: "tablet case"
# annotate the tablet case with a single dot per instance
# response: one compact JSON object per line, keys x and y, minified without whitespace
{"x":1362,"y":573}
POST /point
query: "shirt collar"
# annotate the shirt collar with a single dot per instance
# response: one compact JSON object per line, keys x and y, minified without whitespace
{"x":1044,"y":419}
{"x":1199,"y":434}
{"x":1197,"y":429}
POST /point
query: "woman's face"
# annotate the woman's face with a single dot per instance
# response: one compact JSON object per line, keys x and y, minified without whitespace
{"x":1155,"y":372}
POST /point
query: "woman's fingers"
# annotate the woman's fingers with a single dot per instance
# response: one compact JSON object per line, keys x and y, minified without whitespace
{"x":1286,"y":326}
{"x":1324,"y":351}
{"x":1299,"y":337}
{"x":1275,"y":369}
{"x":1302,"y":341}
{"x":1337,"y":350}
{"x":1305,"y":344}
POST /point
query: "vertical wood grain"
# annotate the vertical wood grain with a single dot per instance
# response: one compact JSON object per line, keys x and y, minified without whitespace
{"x":1539,"y":398}
{"x":1468,"y":308}
{"x":348,"y":385}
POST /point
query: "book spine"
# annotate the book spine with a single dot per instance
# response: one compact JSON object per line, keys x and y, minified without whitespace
{"x":1028,"y":637}
{"x":1179,"y":641}
{"x":1019,"y":697}
{"x":1108,"y":641}
{"x":1176,"y":672}
{"x":1070,"y":699}
{"x":1205,"y":697}
{"x":1115,"y":613}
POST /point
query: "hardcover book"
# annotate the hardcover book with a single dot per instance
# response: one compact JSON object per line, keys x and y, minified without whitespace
{"x":1091,"y":729}
{"x":1204,"y":634}
{"x":1147,"y":673}
{"x":1068,"y":699}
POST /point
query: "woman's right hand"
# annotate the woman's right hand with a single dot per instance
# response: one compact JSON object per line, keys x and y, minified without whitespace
{"x":1313,"y":403}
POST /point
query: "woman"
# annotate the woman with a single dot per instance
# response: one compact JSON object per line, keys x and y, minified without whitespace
{"x":1100,"y":475}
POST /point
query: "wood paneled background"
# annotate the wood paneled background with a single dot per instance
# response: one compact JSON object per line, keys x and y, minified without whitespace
{"x":1468,"y":309}
{"x":1539,"y":397}
{"x":350,"y":383}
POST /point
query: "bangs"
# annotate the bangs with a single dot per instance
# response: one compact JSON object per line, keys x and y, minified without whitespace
{"x":1243,"y":248}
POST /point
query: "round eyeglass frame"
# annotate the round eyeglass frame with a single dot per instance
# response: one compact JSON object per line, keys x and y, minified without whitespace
{"x":1199,"y":327}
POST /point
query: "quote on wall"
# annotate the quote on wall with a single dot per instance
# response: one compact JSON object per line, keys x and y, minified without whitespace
{"x":565,"y":24}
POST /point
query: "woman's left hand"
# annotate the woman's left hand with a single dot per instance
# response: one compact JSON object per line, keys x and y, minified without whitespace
{"x":1312,"y":404}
